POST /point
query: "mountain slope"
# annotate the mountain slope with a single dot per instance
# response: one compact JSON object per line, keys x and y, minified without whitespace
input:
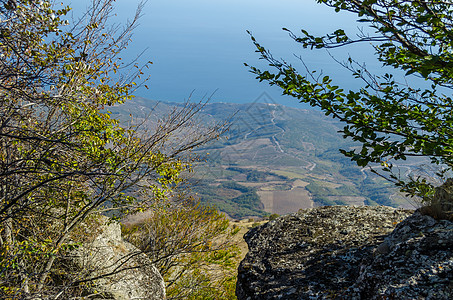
{"x":274,"y":159}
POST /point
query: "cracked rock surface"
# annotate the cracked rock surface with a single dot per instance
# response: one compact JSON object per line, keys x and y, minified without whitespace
{"x":349,"y":252}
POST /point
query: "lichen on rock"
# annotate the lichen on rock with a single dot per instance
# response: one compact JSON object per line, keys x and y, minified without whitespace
{"x":318,"y":253}
{"x":418,"y":265}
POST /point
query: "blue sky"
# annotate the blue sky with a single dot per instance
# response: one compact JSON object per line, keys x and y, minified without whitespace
{"x":201,"y":45}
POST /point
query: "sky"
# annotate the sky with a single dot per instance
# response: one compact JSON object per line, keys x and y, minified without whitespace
{"x":199,"y":47}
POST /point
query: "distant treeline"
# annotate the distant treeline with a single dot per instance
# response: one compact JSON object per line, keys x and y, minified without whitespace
{"x":255,"y":175}
{"x":237,"y":200}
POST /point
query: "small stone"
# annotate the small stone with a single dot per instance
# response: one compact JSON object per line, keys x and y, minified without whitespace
{"x":383,"y":248}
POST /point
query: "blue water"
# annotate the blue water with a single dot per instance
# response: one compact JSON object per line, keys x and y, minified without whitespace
{"x":201,"y":46}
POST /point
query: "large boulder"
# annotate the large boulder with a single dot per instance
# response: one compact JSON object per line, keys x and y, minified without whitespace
{"x":120,"y":270}
{"x":324,"y":252}
{"x":417,"y":263}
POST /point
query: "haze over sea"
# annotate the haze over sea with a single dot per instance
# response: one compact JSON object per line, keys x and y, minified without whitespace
{"x":202,"y":45}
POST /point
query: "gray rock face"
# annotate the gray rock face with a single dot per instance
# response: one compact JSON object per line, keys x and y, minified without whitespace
{"x":417,"y":265}
{"x":130,"y":273}
{"x":338,"y":252}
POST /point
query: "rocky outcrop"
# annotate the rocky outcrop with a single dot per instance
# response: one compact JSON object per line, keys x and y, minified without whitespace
{"x":348,"y":252}
{"x":417,"y":263}
{"x":120,"y":271}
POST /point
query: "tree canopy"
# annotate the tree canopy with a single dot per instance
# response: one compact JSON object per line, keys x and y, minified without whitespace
{"x":63,"y":158}
{"x":390,"y":118}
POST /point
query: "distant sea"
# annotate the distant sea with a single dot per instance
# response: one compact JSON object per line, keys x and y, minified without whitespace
{"x":199,"y":47}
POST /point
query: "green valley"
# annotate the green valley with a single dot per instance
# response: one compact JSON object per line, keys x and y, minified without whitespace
{"x":276,"y":159}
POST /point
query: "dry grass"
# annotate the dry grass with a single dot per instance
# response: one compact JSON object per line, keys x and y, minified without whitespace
{"x":238,"y":239}
{"x":440,"y":206}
